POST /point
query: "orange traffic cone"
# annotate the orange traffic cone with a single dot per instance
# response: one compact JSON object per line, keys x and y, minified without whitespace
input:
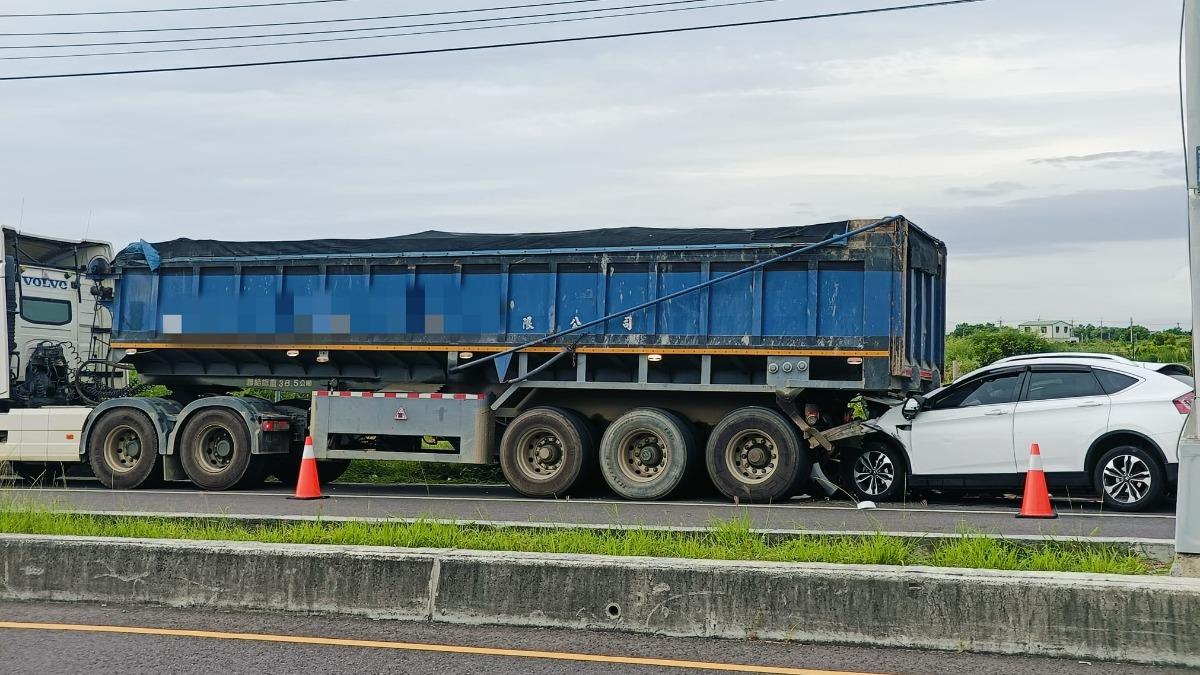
{"x":308,"y":486}
{"x":1036,"y":501}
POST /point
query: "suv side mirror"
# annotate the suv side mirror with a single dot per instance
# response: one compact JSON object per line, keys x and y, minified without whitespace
{"x":912,"y":406}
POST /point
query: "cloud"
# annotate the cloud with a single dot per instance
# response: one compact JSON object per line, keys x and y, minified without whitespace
{"x":938,"y":111}
{"x":1111,"y":160}
{"x":1108,"y":282}
{"x":993,"y":189}
{"x":1038,"y":225}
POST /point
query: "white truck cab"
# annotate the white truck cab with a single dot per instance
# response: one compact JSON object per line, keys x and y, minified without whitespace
{"x":54,"y":328}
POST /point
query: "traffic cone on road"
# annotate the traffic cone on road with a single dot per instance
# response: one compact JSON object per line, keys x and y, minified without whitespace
{"x":309,"y":485}
{"x":1036,"y":501}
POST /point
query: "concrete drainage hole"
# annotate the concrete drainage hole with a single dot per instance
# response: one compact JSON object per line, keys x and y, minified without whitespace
{"x":614,"y":611}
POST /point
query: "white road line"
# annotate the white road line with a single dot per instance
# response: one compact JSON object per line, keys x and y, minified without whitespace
{"x":604,"y":502}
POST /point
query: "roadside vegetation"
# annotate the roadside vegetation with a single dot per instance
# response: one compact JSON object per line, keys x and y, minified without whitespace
{"x":724,"y":540}
{"x":387,"y":472}
{"x":974,"y":345}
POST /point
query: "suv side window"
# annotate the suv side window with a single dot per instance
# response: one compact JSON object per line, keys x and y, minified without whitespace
{"x":1045,"y":385}
{"x":990,"y":390}
{"x":1114,"y":382}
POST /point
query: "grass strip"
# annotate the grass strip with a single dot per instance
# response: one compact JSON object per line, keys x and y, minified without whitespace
{"x":724,"y":540}
{"x":387,"y":472}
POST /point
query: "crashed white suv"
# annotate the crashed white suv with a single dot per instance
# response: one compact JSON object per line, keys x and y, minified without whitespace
{"x":1102,"y":422}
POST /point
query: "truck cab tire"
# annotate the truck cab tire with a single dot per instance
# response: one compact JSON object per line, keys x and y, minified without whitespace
{"x":547,"y":452}
{"x":123,"y":450}
{"x":756,"y":455}
{"x":214,"y":449}
{"x":649,"y":454}
{"x":875,"y":472}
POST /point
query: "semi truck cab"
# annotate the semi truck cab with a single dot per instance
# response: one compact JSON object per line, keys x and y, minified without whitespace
{"x":56,"y":331}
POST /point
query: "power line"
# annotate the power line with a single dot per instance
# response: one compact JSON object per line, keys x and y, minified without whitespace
{"x":172,"y":9}
{"x":503,"y":45}
{"x":661,"y":3}
{"x":386,"y":35}
{"x":310,"y":22}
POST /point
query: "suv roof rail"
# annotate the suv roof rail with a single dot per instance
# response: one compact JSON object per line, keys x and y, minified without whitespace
{"x":1065,"y":355}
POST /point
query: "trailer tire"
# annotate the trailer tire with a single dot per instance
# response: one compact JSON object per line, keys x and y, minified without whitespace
{"x":547,"y":452}
{"x":648,"y":454}
{"x":756,"y":455}
{"x":123,"y":450}
{"x":214,"y":450}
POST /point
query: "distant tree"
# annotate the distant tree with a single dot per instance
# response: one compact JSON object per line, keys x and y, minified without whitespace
{"x":966,"y":330}
{"x":977,"y":345}
{"x":961,"y":350}
{"x":1001,"y":343}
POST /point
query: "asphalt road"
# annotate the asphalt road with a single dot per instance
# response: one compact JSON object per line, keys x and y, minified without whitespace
{"x":500,"y":503}
{"x":255,"y":643}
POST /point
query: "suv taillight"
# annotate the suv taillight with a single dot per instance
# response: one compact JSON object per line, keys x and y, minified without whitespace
{"x":1184,"y":403}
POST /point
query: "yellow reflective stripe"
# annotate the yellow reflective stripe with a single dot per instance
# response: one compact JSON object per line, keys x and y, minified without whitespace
{"x":543,"y":349}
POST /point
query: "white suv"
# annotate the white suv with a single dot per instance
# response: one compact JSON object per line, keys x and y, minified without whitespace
{"x":1102,"y":422}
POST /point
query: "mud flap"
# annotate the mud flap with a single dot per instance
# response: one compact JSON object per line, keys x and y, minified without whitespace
{"x":173,"y":469}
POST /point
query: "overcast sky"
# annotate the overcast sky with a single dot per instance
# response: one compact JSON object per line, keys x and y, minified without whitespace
{"x":1039,"y":138}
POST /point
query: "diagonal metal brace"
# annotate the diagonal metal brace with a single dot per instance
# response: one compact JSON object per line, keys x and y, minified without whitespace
{"x":787,"y":402}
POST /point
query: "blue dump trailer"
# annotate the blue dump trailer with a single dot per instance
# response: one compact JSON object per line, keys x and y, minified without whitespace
{"x":647,"y":357}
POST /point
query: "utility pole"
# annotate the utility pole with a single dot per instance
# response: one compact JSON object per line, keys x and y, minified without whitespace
{"x":1132,"y":346}
{"x":1187,"y":521}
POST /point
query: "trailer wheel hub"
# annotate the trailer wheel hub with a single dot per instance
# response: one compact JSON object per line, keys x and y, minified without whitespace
{"x":548,"y":453}
{"x":542,"y":454}
{"x":651,"y":455}
{"x":758,"y":457}
{"x":644,"y":455}
{"x":752,"y":456}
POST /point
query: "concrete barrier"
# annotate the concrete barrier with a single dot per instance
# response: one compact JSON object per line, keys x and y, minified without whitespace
{"x":1139,"y":619}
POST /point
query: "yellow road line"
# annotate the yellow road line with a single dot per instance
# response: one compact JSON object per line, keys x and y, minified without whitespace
{"x":423,"y":647}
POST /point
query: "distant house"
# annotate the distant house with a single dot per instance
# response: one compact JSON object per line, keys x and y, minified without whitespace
{"x":1055,"y":331}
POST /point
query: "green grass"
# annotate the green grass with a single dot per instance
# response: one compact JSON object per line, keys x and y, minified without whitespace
{"x":380,"y":471}
{"x":725,"y":540}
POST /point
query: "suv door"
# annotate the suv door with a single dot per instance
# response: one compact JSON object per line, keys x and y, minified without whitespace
{"x":1063,"y":409}
{"x":968,"y":429}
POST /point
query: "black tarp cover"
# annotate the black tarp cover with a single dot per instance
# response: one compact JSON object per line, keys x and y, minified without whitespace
{"x":923,"y":249}
{"x":433,"y":241}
